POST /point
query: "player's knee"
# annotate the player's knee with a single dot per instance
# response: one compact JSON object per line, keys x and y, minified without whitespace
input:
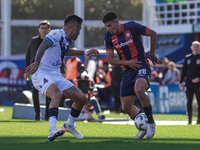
{"x":82,"y":99}
{"x":57,"y":95}
{"x":138,"y":91}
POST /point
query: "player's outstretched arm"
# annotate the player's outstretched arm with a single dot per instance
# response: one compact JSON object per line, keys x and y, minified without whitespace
{"x":73,"y":52}
{"x":153,"y":40}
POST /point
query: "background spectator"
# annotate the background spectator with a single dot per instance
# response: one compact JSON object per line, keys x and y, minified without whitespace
{"x":44,"y":28}
{"x":116,"y":76}
{"x":172,"y":75}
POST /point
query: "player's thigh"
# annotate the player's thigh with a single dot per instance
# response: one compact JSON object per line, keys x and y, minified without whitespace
{"x":127,"y":101}
{"x":53,"y":92}
{"x":42,"y":81}
{"x":74,"y":94}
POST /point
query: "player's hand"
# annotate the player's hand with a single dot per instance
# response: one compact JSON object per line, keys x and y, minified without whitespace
{"x":26,"y":77}
{"x":93,"y":51}
{"x":135,"y":64}
{"x":154,"y":59}
{"x":195,"y":80}
{"x":32,"y":68}
{"x":181,"y":86}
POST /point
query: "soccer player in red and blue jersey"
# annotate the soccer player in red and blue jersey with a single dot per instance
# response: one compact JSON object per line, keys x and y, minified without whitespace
{"x":126,"y":39}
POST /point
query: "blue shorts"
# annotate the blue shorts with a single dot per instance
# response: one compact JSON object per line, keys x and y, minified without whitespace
{"x":129,"y":78}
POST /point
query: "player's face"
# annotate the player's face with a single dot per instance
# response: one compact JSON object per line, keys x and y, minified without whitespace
{"x":112,"y":26}
{"x":43,"y":30}
{"x":76,"y":32}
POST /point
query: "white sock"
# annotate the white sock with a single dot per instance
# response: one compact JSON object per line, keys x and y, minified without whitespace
{"x":71,"y":121}
{"x":99,"y":114}
{"x":52,"y":122}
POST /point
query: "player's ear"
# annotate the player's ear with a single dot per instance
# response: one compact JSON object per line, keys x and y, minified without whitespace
{"x":74,"y":27}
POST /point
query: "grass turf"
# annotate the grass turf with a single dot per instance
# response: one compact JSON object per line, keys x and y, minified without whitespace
{"x":21,"y":134}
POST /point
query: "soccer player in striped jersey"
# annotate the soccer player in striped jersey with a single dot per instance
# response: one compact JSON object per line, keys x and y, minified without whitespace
{"x":47,"y":77}
{"x":126,"y":39}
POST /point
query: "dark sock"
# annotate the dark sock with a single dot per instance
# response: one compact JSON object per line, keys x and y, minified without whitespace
{"x":53,"y":112}
{"x":148,"y":112}
{"x":75,"y":113}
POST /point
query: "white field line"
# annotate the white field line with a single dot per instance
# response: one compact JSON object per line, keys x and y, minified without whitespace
{"x":157,"y":122}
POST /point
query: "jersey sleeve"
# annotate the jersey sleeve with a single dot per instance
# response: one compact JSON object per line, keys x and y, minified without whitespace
{"x":53,"y":36}
{"x":140,"y":29}
{"x":108,"y":42}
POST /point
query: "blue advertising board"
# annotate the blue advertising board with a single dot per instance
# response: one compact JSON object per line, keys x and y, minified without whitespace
{"x":167,"y":99}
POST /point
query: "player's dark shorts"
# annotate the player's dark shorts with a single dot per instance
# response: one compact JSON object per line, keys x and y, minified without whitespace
{"x":129,"y":78}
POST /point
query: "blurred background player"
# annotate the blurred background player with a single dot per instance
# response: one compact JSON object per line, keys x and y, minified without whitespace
{"x":116,"y":76}
{"x":44,"y":28}
{"x":84,"y":83}
{"x":72,"y":66}
{"x":105,"y":79}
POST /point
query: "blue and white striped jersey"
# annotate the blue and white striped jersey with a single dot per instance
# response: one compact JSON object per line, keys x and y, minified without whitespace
{"x":54,"y":55}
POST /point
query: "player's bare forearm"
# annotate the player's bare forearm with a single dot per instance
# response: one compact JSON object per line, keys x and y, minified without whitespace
{"x":43,"y":46}
{"x":72,"y":52}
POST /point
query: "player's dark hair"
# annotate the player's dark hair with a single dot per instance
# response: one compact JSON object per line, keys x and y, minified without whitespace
{"x":45,"y":22}
{"x":72,"y":17}
{"x":109,"y":17}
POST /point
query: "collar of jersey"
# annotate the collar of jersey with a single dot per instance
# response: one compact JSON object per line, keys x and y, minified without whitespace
{"x":121,"y":29}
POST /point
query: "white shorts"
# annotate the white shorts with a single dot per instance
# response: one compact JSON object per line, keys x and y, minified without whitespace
{"x":43,"y":79}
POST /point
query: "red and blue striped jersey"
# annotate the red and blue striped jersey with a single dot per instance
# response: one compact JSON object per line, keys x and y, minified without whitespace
{"x":128,"y":43}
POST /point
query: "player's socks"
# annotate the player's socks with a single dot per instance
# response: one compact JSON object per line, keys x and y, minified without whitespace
{"x":148,"y":112}
{"x":69,"y":125}
{"x":53,"y":132}
{"x":72,"y":117}
{"x":53,"y":114}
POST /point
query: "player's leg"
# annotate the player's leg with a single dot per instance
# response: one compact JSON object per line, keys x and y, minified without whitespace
{"x":55,"y":94}
{"x":48,"y":100}
{"x":94,"y":101}
{"x":197,"y":93}
{"x":189,"y":95}
{"x":128,"y":107}
{"x":45,"y":83}
{"x":132,"y":111}
{"x":79,"y":99}
{"x":141,"y":85}
{"x":36,"y":103}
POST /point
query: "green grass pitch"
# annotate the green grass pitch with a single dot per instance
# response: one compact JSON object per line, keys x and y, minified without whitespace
{"x":20,"y":134}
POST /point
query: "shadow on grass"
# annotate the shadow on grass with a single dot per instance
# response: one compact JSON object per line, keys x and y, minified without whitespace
{"x":95,"y":143}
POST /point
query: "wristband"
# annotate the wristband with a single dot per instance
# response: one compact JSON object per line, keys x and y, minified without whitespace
{"x":86,"y":52}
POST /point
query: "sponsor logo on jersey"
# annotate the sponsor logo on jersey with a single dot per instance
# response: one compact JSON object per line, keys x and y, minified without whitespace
{"x":45,"y":80}
{"x":114,"y":40}
{"x":188,"y":61}
{"x":124,"y":43}
{"x":127,"y":34}
{"x":54,"y":34}
{"x":198,"y":61}
{"x":57,"y":63}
